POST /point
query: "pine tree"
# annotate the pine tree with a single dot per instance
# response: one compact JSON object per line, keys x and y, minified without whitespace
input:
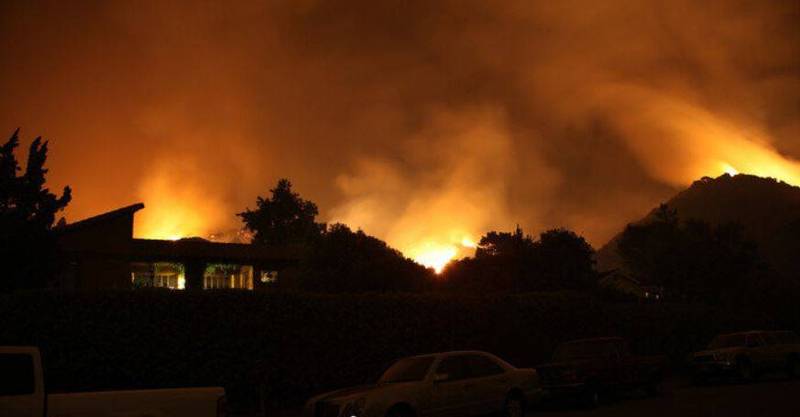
{"x":27,"y":215}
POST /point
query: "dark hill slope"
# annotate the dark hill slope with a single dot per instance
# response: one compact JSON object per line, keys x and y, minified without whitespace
{"x":768,"y":209}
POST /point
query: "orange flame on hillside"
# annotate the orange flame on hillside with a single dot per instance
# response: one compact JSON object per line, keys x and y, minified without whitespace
{"x":177,"y":207}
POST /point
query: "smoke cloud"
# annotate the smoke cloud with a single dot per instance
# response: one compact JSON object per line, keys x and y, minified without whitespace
{"x":423,"y":123}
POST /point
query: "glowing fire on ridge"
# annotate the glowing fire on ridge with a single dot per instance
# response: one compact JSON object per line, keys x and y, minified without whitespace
{"x":437,"y":255}
{"x":177,"y":206}
{"x":168,"y":221}
{"x":728,"y":169}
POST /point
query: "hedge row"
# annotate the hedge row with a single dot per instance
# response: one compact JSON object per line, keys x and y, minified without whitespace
{"x":293,"y":345}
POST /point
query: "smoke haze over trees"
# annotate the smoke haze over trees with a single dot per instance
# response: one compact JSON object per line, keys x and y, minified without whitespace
{"x":452,"y":116}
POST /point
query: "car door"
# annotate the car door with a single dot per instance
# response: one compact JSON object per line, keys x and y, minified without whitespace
{"x":624,"y":365}
{"x":489,"y":384}
{"x":776,"y":349}
{"x":449,"y":390}
{"x":758,"y":351}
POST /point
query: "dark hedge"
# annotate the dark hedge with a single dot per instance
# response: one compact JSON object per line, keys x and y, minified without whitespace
{"x":288,"y":346}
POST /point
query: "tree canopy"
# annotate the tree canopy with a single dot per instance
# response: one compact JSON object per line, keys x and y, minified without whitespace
{"x":512,"y":261}
{"x":342,"y":260}
{"x":28,"y":213}
{"x":333,"y":258}
{"x":691,"y":258}
{"x":285,"y":218}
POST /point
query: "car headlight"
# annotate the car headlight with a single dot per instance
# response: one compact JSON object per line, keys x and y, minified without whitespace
{"x":355,"y":408}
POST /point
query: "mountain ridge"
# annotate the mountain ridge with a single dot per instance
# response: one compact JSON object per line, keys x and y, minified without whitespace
{"x":767,"y":208}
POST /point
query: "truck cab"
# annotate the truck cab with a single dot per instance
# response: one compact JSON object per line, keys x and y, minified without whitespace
{"x":21,"y":384}
{"x":23,"y":394}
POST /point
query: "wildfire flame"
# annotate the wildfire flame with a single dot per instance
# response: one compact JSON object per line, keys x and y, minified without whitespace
{"x":437,"y":255}
{"x":177,"y":207}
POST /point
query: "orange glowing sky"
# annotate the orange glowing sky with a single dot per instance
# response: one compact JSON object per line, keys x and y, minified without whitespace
{"x":423,"y":123}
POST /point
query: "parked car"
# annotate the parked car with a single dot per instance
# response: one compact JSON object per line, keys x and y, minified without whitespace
{"x":23,"y":394}
{"x":453,"y":384}
{"x":589,"y":369}
{"x":747,"y":355}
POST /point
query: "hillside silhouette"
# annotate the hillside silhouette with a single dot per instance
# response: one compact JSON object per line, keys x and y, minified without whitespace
{"x":768,"y":210}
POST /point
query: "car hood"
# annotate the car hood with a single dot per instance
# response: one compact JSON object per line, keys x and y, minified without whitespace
{"x":577,"y":363}
{"x":346,"y":394}
{"x":353,"y":393}
{"x":719,"y":352}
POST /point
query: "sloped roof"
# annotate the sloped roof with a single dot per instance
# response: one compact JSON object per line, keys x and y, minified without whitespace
{"x":101,"y":218}
{"x":153,"y":250}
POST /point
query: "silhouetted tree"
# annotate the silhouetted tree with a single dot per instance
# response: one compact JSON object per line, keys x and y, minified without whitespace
{"x":284,"y":218}
{"x":565,"y":260}
{"x":27,"y":214}
{"x":692,"y":259}
{"x":504,"y":244}
{"x":333,"y":258}
{"x":345,"y":261}
{"x":558,"y":260}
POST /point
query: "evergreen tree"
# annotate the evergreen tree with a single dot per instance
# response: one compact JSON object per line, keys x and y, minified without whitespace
{"x":27,"y":215}
{"x":283,"y":219}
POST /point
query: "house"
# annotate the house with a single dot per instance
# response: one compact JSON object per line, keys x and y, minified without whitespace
{"x":618,"y":281}
{"x":101,"y":253}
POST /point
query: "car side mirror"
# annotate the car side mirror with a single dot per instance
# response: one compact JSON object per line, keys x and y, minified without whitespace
{"x":437,"y":378}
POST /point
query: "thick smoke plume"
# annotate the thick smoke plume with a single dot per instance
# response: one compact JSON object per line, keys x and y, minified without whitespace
{"x":424,"y":123}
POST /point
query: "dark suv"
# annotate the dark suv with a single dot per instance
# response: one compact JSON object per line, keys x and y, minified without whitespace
{"x":747,"y":355}
{"x":591,"y":368}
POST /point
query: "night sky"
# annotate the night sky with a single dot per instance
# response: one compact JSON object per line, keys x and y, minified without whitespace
{"x":426,"y":123}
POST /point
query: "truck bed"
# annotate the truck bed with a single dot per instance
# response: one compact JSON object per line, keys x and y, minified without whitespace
{"x":172,"y":402}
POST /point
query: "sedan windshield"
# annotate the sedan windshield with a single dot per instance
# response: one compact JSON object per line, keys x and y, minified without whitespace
{"x":407,"y":370}
{"x":583,"y":350}
{"x":726,"y":341}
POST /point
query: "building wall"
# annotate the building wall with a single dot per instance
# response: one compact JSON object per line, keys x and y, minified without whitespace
{"x":95,"y":273}
{"x":94,"y":256}
{"x":107,"y":236}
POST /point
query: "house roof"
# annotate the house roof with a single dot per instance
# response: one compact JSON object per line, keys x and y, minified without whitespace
{"x":101,"y":218}
{"x":153,"y":250}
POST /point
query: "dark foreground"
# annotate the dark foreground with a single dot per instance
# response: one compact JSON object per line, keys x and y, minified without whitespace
{"x":774,"y":397}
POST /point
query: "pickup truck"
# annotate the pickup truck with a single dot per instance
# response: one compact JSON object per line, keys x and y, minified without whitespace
{"x":590,"y":369}
{"x":23,"y":394}
{"x":747,"y":355}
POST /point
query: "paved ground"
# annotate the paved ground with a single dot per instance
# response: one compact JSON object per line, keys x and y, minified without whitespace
{"x":776,"y":397}
{"x":771,"y":397}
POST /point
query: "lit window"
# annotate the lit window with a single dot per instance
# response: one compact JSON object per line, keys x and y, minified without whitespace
{"x":269,"y":277}
{"x":228,"y":276}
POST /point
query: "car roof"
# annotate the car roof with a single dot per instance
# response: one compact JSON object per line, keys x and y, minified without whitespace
{"x":451,"y":353}
{"x":749,"y":332}
{"x":598,"y":339}
{"x":744,"y":333}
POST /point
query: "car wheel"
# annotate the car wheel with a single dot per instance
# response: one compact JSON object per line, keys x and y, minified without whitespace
{"x":400,"y":412}
{"x":745,"y":369}
{"x":514,"y":406}
{"x":699,"y":379}
{"x":591,"y":397}
{"x":653,"y":388}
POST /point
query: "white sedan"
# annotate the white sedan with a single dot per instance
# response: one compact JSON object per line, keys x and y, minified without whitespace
{"x":457,"y":384}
